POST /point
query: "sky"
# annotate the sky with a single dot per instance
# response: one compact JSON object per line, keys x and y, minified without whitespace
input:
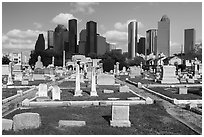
{"x":22,"y":22}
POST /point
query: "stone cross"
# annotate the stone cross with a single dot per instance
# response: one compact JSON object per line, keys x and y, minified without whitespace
{"x":93,"y":83}
{"x":78,"y":91}
{"x":10,"y":80}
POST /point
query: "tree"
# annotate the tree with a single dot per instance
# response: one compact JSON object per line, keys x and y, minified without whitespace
{"x":137,"y":61}
{"x":5,"y":60}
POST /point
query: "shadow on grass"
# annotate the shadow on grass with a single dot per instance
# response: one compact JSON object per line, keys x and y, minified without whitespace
{"x":107,"y":118}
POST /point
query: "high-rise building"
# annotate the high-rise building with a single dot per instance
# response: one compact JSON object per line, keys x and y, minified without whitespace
{"x":82,"y":41}
{"x":59,"y":41}
{"x":50,"y":39}
{"x":40,"y":43}
{"x":91,"y":44}
{"x":101,"y":45}
{"x":151,"y":41}
{"x":163,"y":36}
{"x":73,"y":35}
{"x":141,"y":46}
{"x":132,"y":39}
{"x":189,"y":40}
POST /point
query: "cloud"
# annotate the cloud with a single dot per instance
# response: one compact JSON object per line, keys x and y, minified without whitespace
{"x":21,"y":39}
{"x":63,"y":18}
{"x":124,"y":26}
{"x":83,"y":7}
{"x":37,"y":25}
{"x":114,"y":35}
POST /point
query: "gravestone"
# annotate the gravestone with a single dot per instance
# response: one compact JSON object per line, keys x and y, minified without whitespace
{"x":117,"y":68}
{"x":39,"y":64}
{"x":124,"y":89}
{"x":135,"y":72}
{"x":42,"y":91}
{"x":26,"y":121}
{"x":10,"y":80}
{"x":93,"y":83}
{"x":169,"y":75}
{"x":25,"y":81}
{"x":105,"y":79}
{"x":56,"y":92}
{"x":7,"y":124}
{"x":108,"y":91}
{"x":120,"y":115}
{"x":78,"y":91}
{"x":183,"y":90}
{"x":71,"y":123}
{"x":18,"y":77}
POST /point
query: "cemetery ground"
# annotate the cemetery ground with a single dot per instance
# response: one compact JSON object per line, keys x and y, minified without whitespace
{"x":145,"y":120}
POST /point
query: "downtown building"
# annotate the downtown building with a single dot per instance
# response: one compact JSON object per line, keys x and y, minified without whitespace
{"x":60,"y":39}
{"x":50,"y":39}
{"x":163,"y":36}
{"x":141,"y":46}
{"x":132,"y":39}
{"x":73,"y":48}
{"x":82,"y":42}
{"x":151,"y":42}
{"x":91,"y":39}
{"x":189,"y":40}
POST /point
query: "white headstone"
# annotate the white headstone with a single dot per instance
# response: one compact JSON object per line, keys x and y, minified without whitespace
{"x":183,"y":90}
{"x":39,"y":64}
{"x":7,"y":124}
{"x":120,"y":115}
{"x":93,"y":83}
{"x":124,"y":89}
{"x":10,"y":80}
{"x":56,"y":93}
{"x":105,"y":79}
{"x":169,"y":74}
{"x":42,"y":91}
{"x":78,"y":91}
{"x":26,"y":121}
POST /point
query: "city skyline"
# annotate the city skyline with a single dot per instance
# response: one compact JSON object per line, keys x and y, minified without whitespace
{"x":21,"y":24}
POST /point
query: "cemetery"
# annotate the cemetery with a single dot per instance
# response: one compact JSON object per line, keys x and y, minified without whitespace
{"x":86,"y":100}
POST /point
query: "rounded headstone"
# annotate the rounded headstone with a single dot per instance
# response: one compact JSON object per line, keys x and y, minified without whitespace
{"x":26,"y":121}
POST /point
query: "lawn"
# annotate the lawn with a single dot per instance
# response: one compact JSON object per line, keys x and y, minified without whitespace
{"x":145,"y":120}
{"x":193,"y":93}
{"x":137,"y":79}
{"x":8,"y":92}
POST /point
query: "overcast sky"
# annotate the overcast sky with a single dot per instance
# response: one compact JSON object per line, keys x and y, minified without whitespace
{"x":22,"y":22}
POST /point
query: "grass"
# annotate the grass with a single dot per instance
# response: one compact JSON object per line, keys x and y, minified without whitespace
{"x":193,"y":93}
{"x":137,"y":79}
{"x":8,"y":92}
{"x":145,"y":120}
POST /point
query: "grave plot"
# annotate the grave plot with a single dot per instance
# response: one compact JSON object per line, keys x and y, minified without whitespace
{"x":189,"y":94}
{"x":31,"y":83}
{"x":145,"y":120}
{"x":7,"y":92}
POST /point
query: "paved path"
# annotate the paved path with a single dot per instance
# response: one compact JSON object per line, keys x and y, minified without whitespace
{"x":190,"y":119}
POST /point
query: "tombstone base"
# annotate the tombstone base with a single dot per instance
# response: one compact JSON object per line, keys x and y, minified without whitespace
{"x":120,"y":123}
{"x":93,"y":93}
{"x":9,"y":83}
{"x":169,"y":80}
{"x":78,"y":93}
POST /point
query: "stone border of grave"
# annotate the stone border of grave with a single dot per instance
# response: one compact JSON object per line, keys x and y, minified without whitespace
{"x":172,"y":100}
{"x":82,"y":103}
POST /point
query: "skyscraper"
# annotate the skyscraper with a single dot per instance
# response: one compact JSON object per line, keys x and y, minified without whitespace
{"x":82,"y":41}
{"x":91,"y":44}
{"x":141,"y":46}
{"x":59,"y":39}
{"x":73,"y":35}
{"x":101,"y":45}
{"x":50,"y":39}
{"x":151,"y":41}
{"x":189,"y":40}
{"x":40,"y":43}
{"x":163,"y":37}
{"x":132,"y":39}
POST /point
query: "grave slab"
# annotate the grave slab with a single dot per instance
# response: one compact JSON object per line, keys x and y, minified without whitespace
{"x":71,"y":123}
{"x":7,"y":124}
